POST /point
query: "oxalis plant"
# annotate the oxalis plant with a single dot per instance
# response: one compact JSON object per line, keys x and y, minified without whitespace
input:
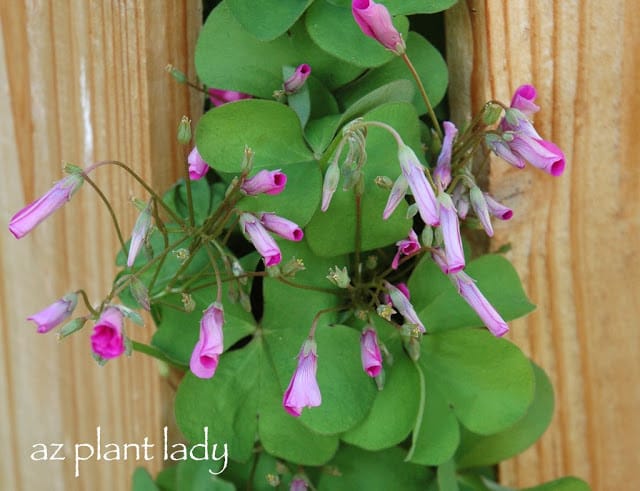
{"x":310,"y":274}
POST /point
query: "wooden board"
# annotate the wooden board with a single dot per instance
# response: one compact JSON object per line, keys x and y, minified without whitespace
{"x":81,"y":82}
{"x":574,"y":238}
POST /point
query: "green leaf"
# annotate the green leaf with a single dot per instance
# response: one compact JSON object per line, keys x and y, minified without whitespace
{"x":335,"y":31}
{"x":142,"y":481}
{"x":564,"y":484}
{"x":320,"y":132}
{"x":429,"y":64}
{"x":477,"y":450}
{"x":441,"y":307}
{"x":487,"y":381}
{"x":298,"y":201}
{"x":326,"y":231}
{"x":300,"y":102}
{"x":384,"y":470}
{"x":396,"y":91}
{"x":408,"y":7}
{"x":265,"y":19}
{"x":436,"y":434}
{"x":272,"y":130}
{"x":194,"y":475}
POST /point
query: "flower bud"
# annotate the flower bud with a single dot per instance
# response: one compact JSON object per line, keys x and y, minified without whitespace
{"x":491,"y":114}
{"x":140,"y":293}
{"x":139,"y":234}
{"x":184,"y":130}
{"x":295,"y":82}
{"x":197,"y":166}
{"x":383,"y":182}
{"x":370,"y":352}
{"x":330,"y":184}
{"x":207,"y":351}
{"x":375,"y":21}
{"x":71,"y":327}
{"x":426,"y":237}
{"x":55,"y":314}
{"x":179,"y":76}
{"x":479,"y":205}
{"x":265,"y":181}
{"x":218,"y":97}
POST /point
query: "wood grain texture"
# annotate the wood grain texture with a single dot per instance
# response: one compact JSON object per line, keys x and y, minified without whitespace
{"x":574,"y":238}
{"x":81,"y":82}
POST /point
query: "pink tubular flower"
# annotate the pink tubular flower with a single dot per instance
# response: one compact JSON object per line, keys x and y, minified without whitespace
{"x":218,"y":97}
{"x":31,"y":215}
{"x":54,"y":314}
{"x":497,"y":209}
{"x":406,"y":247}
{"x":266,"y":181}
{"x":422,"y":191}
{"x":451,"y":234}
{"x":295,"y":82}
{"x":303,"y":390}
{"x":523,"y":99}
{"x":396,"y":195}
{"x":140,"y":231}
{"x":401,"y":302}
{"x":370,"y":352}
{"x":473,"y":296}
{"x":479,"y":204}
{"x":282,"y":227}
{"x":375,"y":21}
{"x":207,"y":351}
{"x":260,"y":238}
{"x":539,"y":153}
{"x":442,"y":172}
{"x":107,"y":340}
{"x":197,"y":166}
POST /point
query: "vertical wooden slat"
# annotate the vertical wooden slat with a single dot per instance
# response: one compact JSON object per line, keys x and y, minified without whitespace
{"x":574,"y":238}
{"x":81,"y":82}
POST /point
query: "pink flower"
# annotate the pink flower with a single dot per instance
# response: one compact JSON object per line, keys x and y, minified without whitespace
{"x":140,"y":231}
{"x":298,"y":484}
{"x":461,"y":201}
{"x":260,"y":238}
{"x":401,"y":302}
{"x":481,"y":208}
{"x":497,"y":209}
{"x":31,"y":215}
{"x":442,"y":172}
{"x":218,"y":97}
{"x":473,"y":296}
{"x":370,"y":352}
{"x":303,"y":390}
{"x":422,"y":191}
{"x":295,"y":82}
{"x":282,"y":227}
{"x":396,"y":195}
{"x":197,"y":166}
{"x":523,"y":100}
{"x":406,"y":247}
{"x":207,"y":351}
{"x":266,"y":181}
{"x":375,"y":21}
{"x":107,"y":340}
{"x":55,"y":314}
{"x":502,"y":149}
{"x":539,"y":153}
{"x":451,"y":234}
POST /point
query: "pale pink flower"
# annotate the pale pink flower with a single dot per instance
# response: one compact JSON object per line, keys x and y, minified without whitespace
{"x":197,"y":166}
{"x":298,"y":484}
{"x":218,"y":97}
{"x":523,"y":99}
{"x":329,"y":185}
{"x":477,"y":301}
{"x":479,"y":204}
{"x":451,"y":233}
{"x":55,"y":314}
{"x":107,"y":340}
{"x":401,"y":302}
{"x":396,"y":195}
{"x":422,"y":191}
{"x":538,"y":152}
{"x":442,"y":172}
{"x":375,"y":21}
{"x":303,"y":390}
{"x":266,"y":181}
{"x":139,"y":233}
{"x":260,"y":238}
{"x":370,"y":352}
{"x":207,"y":351}
{"x":295,"y":82}
{"x":31,"y":215}
{"x":282,"y":227}
{"x":497,"y":209}
{"x":406,"y":247}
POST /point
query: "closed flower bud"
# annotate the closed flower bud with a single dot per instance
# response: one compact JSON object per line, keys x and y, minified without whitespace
{"x":479,"y":205}
{"x":260,"y":238}
{"x":497,"y":209}
{"x":179,"y":76}
{"x":427,"y":237}
{"x":207,"y":351}
{"x":107,"y":340}
{"x":403,"y":305}
{"x":303,"y":390}
{"x":473,"y":296}
{"x":197,"y":166}
{"x":442,"y":172}
{"x":398,"y":191}
{"x":265,"y":181}
{"x":491,"y":114}
{"x":55,"y":314}
{"x":422,"y":191}
{"x":218,"y":97}
{"x":370,"y":352}
{"x":281,"y":226}
{"x":375,"y":21}
{"x":184,"y":130}
{"x":140,"y":293}
{"x":330,"y":184}
{"x":451,"y":233}
{"x":139,"y":234}
{"x":295,"y":82}
{"x":383,"y":182}
{"x":31,"y":215}
{"x":71,"y":327}
{"x":523,"y":99}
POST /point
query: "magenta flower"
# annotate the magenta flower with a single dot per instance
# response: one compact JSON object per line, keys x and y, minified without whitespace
{"x":396,"y":195}
{"x":539,"y":153}
{"x":31,"y":215}
{"x":298,"y":484}
{"x":303,"y":390}
{"x":523,"y":100}
{"x":266,"y":181}
{"x":375,"y":21}
{"x":451,"y":234}
{"x":473,"y":296}
{"x":406,"y":247}
{"x":497,"y":209}
{"x":370,"y":352}
{"x":260,"y":238}
{"x":218,"y":97}
{"x":140,"y":231}
{"x":442,"y":172}
{"x":481,"y":209}
{"x":197,"y":166}
{"x":207,"y":351}
{"x":282,"y":227}
{"x":295,"y":82}
{"x":107,"y":340}
{"x":55,"y":314}
{"x":422,"y":191}
{"x":402,"y":304}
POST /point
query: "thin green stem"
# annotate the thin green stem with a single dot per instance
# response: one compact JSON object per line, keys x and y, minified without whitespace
{"x":216,"y":271}
{"x":307,"y":287}
{"x":316,"y":318}
{"x":427,"y":102}
{"x":110,"y":208}
{"x":87,"y":303}
{"x":358,"y":238}
{"x":154,"y":353}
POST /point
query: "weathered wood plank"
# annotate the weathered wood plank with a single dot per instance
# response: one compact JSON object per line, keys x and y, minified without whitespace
{"x":574,"y":238}
{"x":81,"y":82}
